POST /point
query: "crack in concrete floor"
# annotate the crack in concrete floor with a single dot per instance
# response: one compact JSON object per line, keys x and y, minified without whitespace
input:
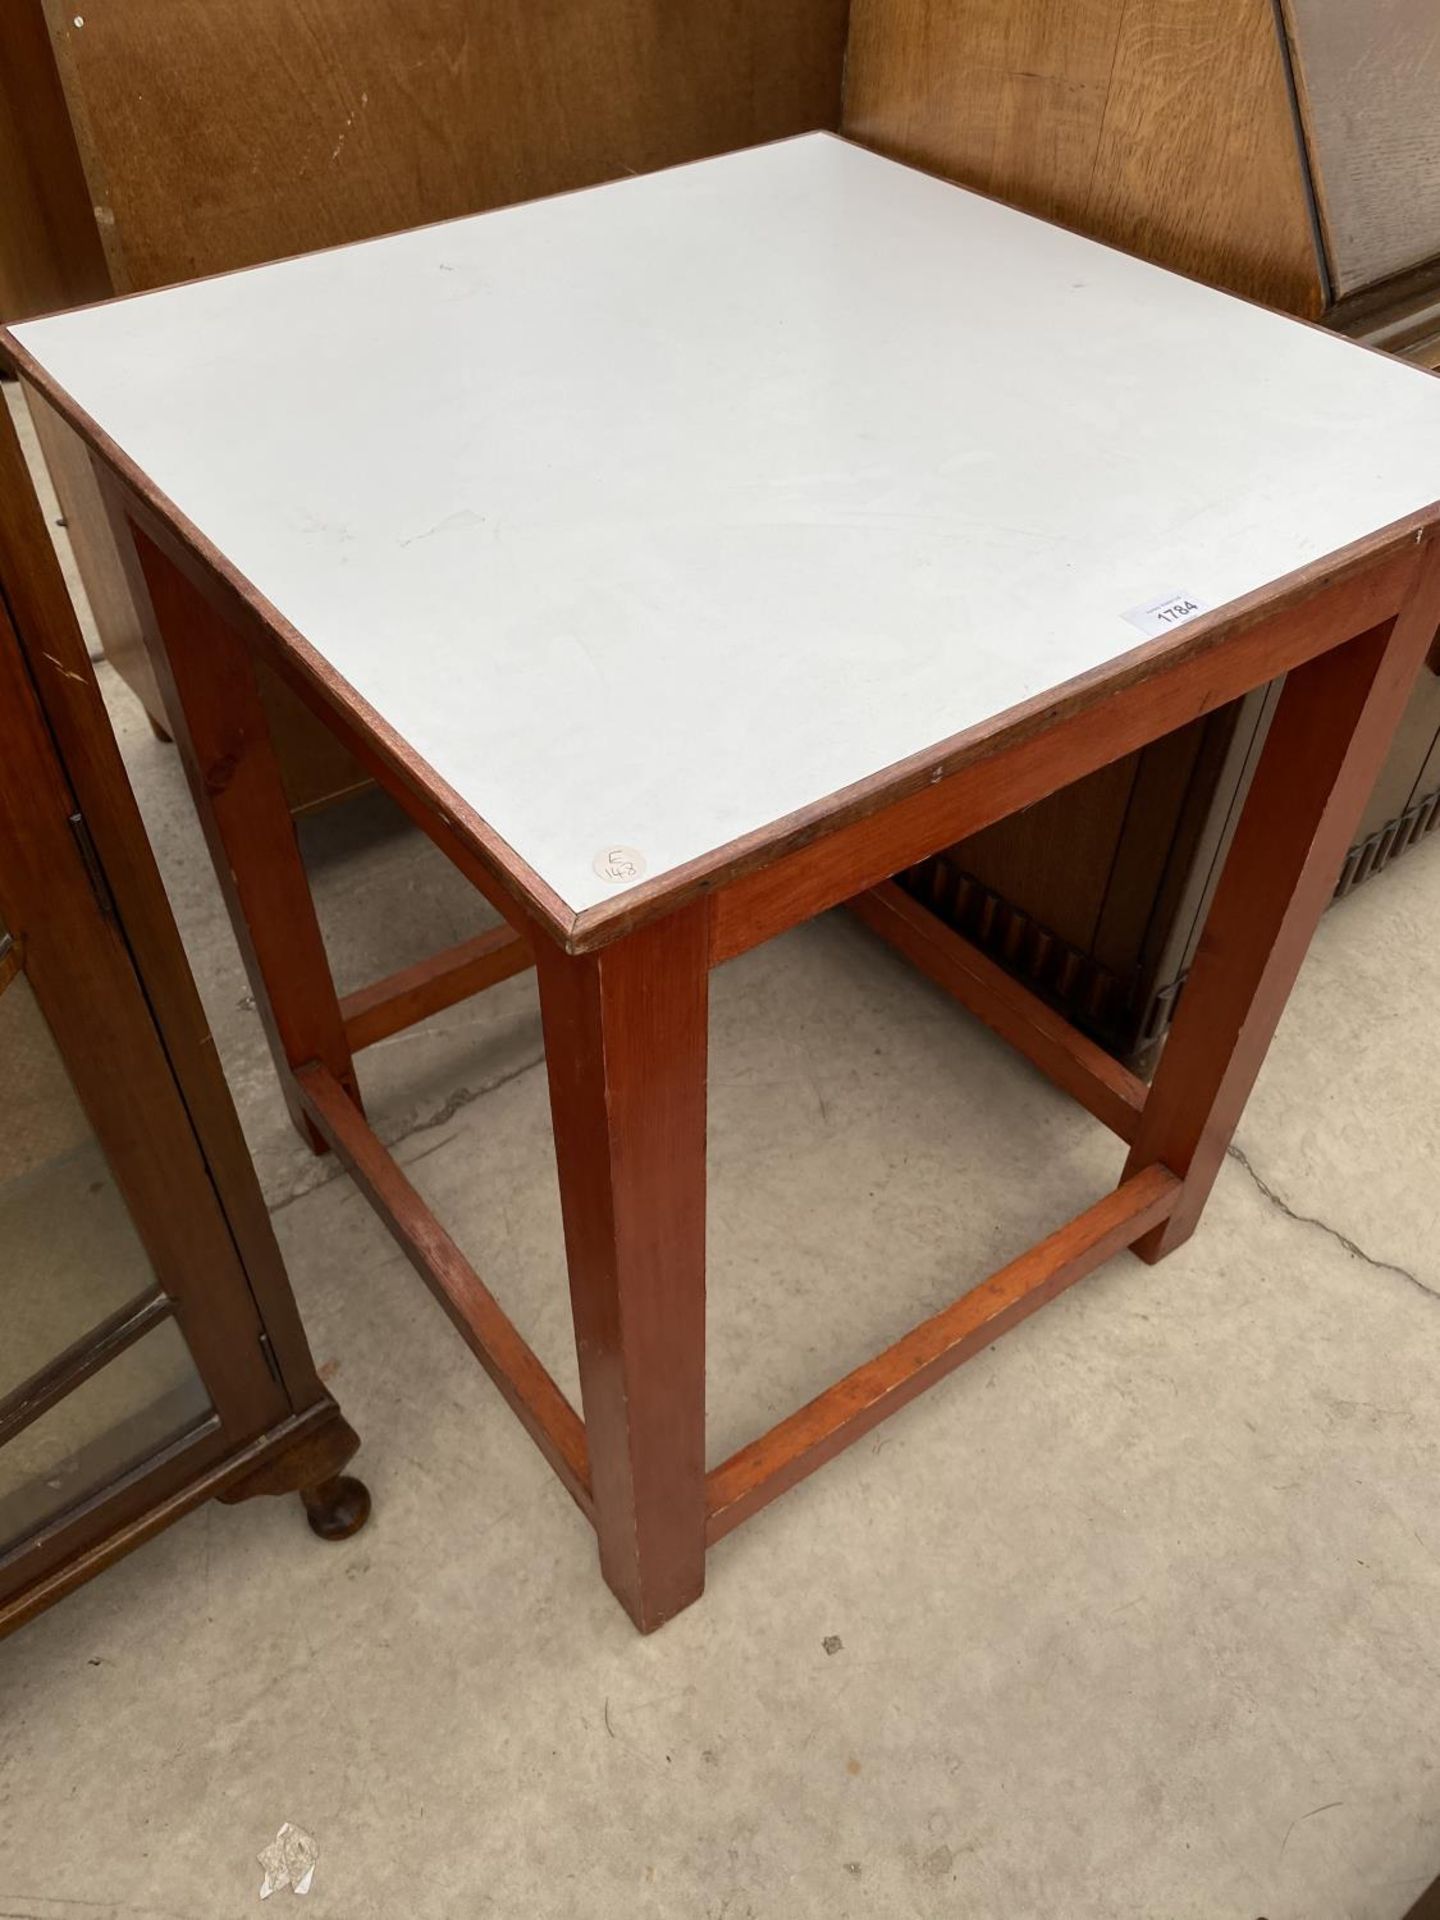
{"x":330,"y":1168}
{"x":464,"y":1097}
{"x":1239,"y":1156}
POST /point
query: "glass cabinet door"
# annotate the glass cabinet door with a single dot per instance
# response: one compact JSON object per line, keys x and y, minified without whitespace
{"x":95,"y":1376}
{"x":132,"y":1355}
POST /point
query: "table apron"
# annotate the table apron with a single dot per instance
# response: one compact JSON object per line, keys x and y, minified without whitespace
{"x":857,"y":856}
{"x":798,"y":867}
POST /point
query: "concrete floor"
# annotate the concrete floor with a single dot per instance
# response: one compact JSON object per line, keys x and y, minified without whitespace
{"x":1139,"y":1615}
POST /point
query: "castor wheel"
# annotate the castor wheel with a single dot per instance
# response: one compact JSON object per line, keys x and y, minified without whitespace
{"x":337,"y":1508}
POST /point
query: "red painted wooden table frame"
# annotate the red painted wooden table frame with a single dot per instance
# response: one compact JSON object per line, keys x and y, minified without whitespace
{"x":624,"y":991}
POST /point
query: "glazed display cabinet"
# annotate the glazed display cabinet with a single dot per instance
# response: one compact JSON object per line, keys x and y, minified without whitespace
{"x":150,"y":1351}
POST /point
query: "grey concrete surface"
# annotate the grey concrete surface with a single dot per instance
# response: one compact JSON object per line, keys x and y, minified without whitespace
{"x":1139,"y":1615}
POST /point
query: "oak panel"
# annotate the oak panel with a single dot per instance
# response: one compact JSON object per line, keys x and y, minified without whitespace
{"x":1160,"y":125}
{"x":267,"y":127}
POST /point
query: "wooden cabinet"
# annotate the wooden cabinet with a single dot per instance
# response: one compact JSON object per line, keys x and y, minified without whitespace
{"x":150,"y":1351}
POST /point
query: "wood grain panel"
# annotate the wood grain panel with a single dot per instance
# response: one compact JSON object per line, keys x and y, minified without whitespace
{"x":1160,"y":125}
{"x":1402,"y":776}
{"x":1199,"y":162}
{"x":1053,"y":859}
{"x":1004,"y":95}
{"x":220,"y":134}
{"x":50,"y":253}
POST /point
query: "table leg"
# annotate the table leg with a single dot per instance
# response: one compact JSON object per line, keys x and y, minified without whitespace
{"x":1331,"y":731}
{"x":625,"y":1049}
{"x":208,"y":683}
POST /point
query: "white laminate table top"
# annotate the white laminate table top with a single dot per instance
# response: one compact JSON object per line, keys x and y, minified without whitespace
{"x":650,"y":514}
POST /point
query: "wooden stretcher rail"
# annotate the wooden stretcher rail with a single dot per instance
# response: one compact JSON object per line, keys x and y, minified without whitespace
{"x":403,"y":999}
{"x":532,"y":1395}
{"x":1048,"y":1041}
{"x":754,"y":1476}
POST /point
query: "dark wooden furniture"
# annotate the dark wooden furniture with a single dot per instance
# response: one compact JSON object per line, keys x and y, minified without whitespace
{"x":153,"y":1356}
{"x":1427,"y":1907}
{"x":623,"y":959}
{"x":1095,"y":898}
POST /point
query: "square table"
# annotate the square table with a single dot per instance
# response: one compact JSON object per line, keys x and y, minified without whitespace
{"x":691,"y":555}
